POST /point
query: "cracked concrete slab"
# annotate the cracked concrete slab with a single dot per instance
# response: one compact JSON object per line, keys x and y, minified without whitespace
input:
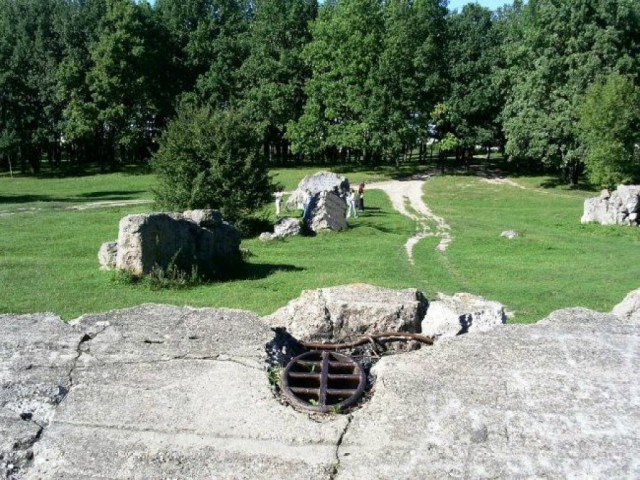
{"x":559,"y":399}
{"x":157,"y":392}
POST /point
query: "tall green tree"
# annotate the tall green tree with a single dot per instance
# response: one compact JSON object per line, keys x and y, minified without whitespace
{"x":204,"y":40}
{"x":411,"y":73}
{"x":122,"y":104}
{"x":343,"y":57}
{"x":609,"y":128}
{"x":474,"y":101}
{"x":30,"y":52}
{"x":273,"y":74}
{"x":564,"y":47}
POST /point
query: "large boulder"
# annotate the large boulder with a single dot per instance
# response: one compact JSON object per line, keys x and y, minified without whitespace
{"x":327,"y":211}
{"x":629,"y":308}
{"x":319,"y":182}
{"x":343,"y":313}
{"x":462,"y":313}
{"x":621,"y":207}
{"x":194,"y":238}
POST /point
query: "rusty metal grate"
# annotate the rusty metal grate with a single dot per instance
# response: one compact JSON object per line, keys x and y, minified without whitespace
{"x":323,"y":381}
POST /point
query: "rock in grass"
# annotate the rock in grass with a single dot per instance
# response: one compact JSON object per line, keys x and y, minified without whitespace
{"x":327,"y":211}
{"x":629,"y":308}
{"x":319,"y":182}
{"x":194,"y":238}
{"x":347,"y":312}
{"x":107,"y":255}
{"x":462,"y":313}
{"x":618,"y":208}
{"x":509,"y":234}
{"x":285,"y":227}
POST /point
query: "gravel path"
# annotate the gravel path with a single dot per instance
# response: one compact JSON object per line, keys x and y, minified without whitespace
{"x":406,"y":198}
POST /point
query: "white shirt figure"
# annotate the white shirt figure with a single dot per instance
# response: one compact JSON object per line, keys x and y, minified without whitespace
{"x":278,"y":196}
{"x":351,"y":205}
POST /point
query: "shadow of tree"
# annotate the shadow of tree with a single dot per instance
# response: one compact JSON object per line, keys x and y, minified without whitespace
{"x":110,"y":195}
{"x":32,"y":198}
{"x":257,"y":271}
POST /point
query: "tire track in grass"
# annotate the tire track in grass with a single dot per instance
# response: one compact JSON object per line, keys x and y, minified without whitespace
{"x":407,"y":199}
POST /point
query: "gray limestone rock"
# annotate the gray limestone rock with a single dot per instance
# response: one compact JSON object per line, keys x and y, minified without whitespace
{"x":618,"y":208}
{"x":343,"y":313}
{"x":107,"y":255}
{"x":629,"y":308}
{"x":285,"y":227}
{"x":327,"y":211}
{"x":197,"y":237}
{"x":462,"y":313}
{"x":319,"y":182}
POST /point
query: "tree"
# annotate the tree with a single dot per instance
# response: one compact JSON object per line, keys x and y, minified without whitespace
{"x":121,"y":105}
{"x":273,"y":74}
{"x":30,"y":52}
{"x":343,"y":57}
{"x":410,"y":75}
{"x":610,"y":129}
{"x":564,"y":47}
{"x":211,"y":159}
{"x":473,"y":103}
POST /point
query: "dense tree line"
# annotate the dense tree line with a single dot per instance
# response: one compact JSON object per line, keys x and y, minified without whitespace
{"x":357,"y":81}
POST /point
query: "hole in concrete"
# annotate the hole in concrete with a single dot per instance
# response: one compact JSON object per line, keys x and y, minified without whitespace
{"x":285,"y":349}
{"x":323,"y":381}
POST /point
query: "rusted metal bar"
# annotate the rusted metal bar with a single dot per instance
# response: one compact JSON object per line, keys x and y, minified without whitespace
{"x":369,"y":338}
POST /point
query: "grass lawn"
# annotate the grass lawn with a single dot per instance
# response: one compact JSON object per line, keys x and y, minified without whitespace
{"x":48,"y":255}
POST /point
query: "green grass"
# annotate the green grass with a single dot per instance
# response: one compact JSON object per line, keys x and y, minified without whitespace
{"x":48,"y":256}
{"x":556,"y":262}
{"x":27,"y":193}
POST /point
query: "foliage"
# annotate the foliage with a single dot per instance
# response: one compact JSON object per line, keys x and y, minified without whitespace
{"x":343,"y":57}
{"x":210,"y":159}
{"x":610,"y":129}
{"x":564,"y":46}
{"x":273,"y":73}
{"x":474,"y":101}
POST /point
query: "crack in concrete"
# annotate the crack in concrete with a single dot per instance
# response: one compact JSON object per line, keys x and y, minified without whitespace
{"x":87,"y":337}
{"x":335,"y":468}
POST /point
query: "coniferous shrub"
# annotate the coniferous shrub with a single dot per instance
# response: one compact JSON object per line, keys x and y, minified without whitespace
{"x":211,"y":159}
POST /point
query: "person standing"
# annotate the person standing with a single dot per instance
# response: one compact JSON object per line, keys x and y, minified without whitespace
{"x":361,"y":197}
{"x":351,"y":204}
{"x":279,"y":194}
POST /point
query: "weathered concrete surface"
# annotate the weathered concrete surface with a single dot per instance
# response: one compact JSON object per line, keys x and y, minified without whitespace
{"x":160,"y":392}
{"x":560,"y":399}
{"x":167,"y":392}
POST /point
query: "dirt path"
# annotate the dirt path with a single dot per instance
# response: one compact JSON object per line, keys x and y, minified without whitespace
{"x":406,"y":198}
{"x":80,"y":206}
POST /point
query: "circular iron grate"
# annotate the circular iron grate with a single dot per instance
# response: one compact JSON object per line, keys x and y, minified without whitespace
{"x":323,"y":381}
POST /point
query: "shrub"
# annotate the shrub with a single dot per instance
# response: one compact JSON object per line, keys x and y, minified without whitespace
{"x":211,"y":159}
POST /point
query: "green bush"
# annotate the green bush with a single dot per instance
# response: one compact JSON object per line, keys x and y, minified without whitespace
{"x":610,"y":130}
{"x":211,"y":159}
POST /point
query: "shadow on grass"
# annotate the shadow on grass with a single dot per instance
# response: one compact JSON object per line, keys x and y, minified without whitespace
{"x":258,"y":271}
{"x":111,"y":195}
{"x":32,"y":198}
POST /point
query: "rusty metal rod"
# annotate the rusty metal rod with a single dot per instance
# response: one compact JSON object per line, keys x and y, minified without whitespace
{"x":369,"y":338}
